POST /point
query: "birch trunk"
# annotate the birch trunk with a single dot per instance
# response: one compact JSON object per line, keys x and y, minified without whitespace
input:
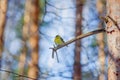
{"x":113,"y":38}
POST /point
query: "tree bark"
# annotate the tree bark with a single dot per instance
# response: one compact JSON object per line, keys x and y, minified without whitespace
{"x":30,"y":29}
{"x":100,"y":38}
{"x":22,"y":60}
{"x":101,"y":54}
{"x":113,"y":38}
{"x":3,"y":12}
{"x":77,"y":66}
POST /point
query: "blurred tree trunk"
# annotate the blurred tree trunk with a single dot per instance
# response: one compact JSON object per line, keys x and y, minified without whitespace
{"x":101,"y":54}
{"x":30,"y":29}
{"x":3,"y":12}
{"x":100,"y":38}
{"x":22,"y":60}
{"x":113,"y":38}
{"x":77,"y":66}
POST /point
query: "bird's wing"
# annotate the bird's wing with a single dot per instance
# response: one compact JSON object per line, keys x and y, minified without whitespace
{"x":62,"y":40}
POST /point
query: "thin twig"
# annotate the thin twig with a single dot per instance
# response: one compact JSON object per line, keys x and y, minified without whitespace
{"x":106,"y":21}
{"x":57,"y":15}
{"x":17,"y":74}
{"x":52,"y":53}
{"x":48,"y":3}
{"x":57,"y":57}
{"x":114,"y":22}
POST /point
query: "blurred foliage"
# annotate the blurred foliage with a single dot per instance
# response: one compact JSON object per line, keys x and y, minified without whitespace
{"x":94,"y":43}
{"x":43,"y":13}
{"x":86,"y":76}
{"x":16,"y":77}
{"x":21,"y":6}
{"x":42,"y":5}
{"x":42,"y":9}
{"x":19,"y":27}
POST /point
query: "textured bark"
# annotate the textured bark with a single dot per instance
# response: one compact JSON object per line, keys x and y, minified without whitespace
{"x":77,"y":65}
{"x":3,"y":11}
{"x":30,"y":30}
{"x":113,"y":39}
{"x":100,"y":38}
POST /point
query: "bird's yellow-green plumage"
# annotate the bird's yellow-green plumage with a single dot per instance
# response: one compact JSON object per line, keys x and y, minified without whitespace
{"x":58,"y":40}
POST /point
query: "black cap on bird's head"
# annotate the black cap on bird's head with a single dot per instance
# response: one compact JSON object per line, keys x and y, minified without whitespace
{"x":57,"y":36}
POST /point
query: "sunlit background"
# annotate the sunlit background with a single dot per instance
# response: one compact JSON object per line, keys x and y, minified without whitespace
{"x":57,"y":17}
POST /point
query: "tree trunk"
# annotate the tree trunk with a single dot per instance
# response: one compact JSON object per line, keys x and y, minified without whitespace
{"x":113,"y":38}
{"x":100,"y":38}
{"x":3,"y":11}
{"x":31,"y":19}
{"x":22,"y":60}
{"x":77,"y":65}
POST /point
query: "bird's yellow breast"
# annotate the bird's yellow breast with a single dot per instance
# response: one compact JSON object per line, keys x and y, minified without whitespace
{"x":58,"y":41}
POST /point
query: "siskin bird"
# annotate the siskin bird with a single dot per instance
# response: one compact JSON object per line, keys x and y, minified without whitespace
{"x":59,"y":40}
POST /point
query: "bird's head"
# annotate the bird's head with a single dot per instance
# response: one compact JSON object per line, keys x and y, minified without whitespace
{"x":57,"y":36}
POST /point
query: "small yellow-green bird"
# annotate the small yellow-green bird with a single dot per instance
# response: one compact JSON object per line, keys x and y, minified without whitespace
{"x":58,"y":40}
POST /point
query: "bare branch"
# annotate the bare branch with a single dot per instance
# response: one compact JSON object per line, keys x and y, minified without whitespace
{"x":17,"y":74}
{"x":106,"y":20}
{"x":63,"y":8}
{"x":78,"y":38}
{"x":59,"y":15}
{"x":114,"y":22}
{"x":54,"y":51}
{"x":57,"y":57}
{"x":49,"y":4}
